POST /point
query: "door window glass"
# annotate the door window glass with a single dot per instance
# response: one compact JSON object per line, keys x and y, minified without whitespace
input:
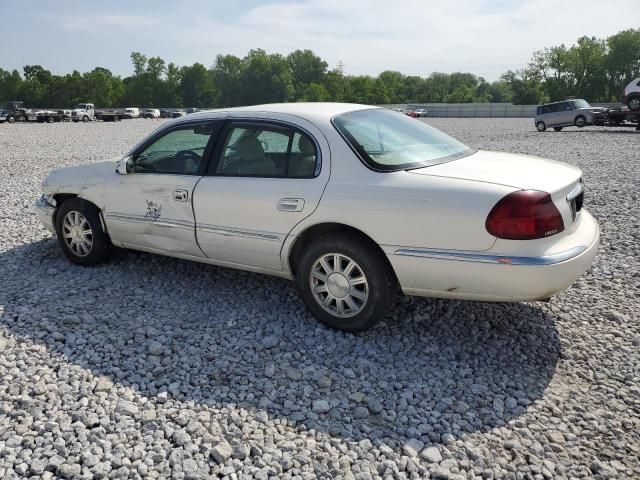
{"x":257,"y":151}
{"x":179,"y":151}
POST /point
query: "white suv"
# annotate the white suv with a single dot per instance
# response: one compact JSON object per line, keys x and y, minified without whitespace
{"x":631,"y":95}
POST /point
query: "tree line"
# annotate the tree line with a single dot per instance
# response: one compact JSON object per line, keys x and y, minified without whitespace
{"x":592,"y":68}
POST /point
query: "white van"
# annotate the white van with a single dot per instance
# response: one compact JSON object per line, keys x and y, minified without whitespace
{"x":133,"y":111}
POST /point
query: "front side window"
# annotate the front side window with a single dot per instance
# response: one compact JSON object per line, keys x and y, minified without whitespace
{"x":179,"y":151}
{"x":267,"y":151}
{"x":580,"y":104}
{"x":388,"y":141}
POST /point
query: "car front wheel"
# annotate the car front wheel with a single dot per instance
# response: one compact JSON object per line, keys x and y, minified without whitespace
{"x":541,"y":126}
{"x":581,"y":121}
{"x":345,"y":282}
{"x":80,"y":233}
{"x":634,"y":104}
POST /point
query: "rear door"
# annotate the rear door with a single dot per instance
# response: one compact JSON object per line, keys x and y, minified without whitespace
{"x":264,"y":178}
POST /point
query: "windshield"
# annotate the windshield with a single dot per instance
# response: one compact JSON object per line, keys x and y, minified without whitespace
{"x":389,"y":141}
{"x":580,"y":104}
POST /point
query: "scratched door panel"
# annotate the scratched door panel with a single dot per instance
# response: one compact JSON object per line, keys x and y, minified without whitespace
{"x":142,"y":211}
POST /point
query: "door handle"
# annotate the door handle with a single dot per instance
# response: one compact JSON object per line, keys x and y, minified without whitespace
{"x":181,"y":195}
{"x":291,"y":204}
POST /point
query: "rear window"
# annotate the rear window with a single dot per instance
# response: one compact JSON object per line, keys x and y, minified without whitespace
{"x":389,"y":141}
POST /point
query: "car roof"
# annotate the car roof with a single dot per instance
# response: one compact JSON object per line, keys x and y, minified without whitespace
{"x":561,"y":101}
{"x":312,"y":111}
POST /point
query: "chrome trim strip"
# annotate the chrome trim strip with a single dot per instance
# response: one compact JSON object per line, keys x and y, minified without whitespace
{"x":469,"y":256}
{"x":142,"y":219}
{"x":230,"y":232}
{"x":577,"y":190}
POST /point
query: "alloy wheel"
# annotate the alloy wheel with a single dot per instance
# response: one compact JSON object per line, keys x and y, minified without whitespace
{"x":77,"y":233}
{"x":339,"y":285}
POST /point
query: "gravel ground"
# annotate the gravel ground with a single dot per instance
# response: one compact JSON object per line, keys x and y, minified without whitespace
{"x":150,"y":367}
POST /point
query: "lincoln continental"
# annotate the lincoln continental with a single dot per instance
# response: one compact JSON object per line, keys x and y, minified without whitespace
{"x":353,"y":203}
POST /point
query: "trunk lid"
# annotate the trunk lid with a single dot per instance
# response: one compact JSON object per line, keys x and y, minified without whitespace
{"x":511,"y":169}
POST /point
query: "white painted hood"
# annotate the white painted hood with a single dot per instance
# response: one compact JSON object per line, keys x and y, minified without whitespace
{"x":80,"y":176}
{"x":510,"y":169}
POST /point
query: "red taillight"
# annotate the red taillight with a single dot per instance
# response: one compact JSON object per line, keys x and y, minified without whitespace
{"x":524,"y":215}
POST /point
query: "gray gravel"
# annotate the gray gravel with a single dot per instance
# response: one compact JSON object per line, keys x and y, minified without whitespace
{"x":150,"y":367}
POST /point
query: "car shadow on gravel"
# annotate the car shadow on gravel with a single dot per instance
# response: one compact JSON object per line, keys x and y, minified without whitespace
{"x":215,"y":337}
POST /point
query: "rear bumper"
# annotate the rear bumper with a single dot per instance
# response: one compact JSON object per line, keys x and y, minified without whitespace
{"x":45,"y":212}
{"x":493,"y":277}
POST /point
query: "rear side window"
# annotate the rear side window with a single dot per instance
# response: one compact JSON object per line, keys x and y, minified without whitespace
{"x":267,"y":151}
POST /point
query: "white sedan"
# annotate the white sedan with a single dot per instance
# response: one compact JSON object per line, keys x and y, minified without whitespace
{"x":350,"y":201}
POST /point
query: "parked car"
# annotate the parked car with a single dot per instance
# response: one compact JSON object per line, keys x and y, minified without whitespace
{"x":631,"y":95}
{"x":350,"y":201}
{"x":421,"y":112}
{"x":568,"y":113}
{"x":151,"y":113}
{"x":165,"y":113}
{"x":13,"y":111}
{"x":178,"y":114}
{"x":132,"y":112}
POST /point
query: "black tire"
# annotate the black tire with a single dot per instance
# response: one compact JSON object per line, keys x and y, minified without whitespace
{"x":381,"y":285}
{"x":100,"y":248}
{"x":50,"y":119}
{"x":116,"y":118}
{"x":580,"y":121}
{"x":541,"y":126}
{"x":11,"y":119}
{"x":85,"y":119}
{"x":634,"y":103}
{"x":557,"y":129}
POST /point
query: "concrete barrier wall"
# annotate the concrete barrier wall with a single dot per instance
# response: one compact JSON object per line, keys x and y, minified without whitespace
{"x":473,"y":110}
{"x":477,"y":110}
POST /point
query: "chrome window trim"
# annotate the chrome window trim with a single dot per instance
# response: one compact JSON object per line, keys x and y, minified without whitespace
{"x":481,"y":257}
{"x":231,"y":232}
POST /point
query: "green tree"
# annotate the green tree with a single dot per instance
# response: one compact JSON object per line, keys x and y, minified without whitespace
{"x":197,"y":88}
{"x":306,"y":68}
{"x":10,"y":85}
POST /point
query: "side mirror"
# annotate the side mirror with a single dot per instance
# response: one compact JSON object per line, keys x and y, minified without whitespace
{"x":125,"y":166}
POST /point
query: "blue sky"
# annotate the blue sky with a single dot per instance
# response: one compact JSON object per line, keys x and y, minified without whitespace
{"x":416,"y":37}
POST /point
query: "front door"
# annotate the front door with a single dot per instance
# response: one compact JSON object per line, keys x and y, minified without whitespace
{"x":151,"y":207}
{"x":264,"y":178}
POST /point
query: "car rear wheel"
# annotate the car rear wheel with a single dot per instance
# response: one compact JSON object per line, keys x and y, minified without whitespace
{"x":557,"y":129}
{"x":580,"y":121}
{"x":345,"y":282}
{"x":80,"y":233}
{"x":634,"y":104}
{"x":49,"y":119}
{"x":541,"y":126}
{"x":11,"y":119}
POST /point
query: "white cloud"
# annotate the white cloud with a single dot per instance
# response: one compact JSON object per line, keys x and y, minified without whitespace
{"x":413,"y":36}
{"x":108,"y":23}
{"x":486,"y":37}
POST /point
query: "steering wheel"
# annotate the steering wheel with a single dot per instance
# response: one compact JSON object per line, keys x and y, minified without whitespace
{"x":185,"y":155}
